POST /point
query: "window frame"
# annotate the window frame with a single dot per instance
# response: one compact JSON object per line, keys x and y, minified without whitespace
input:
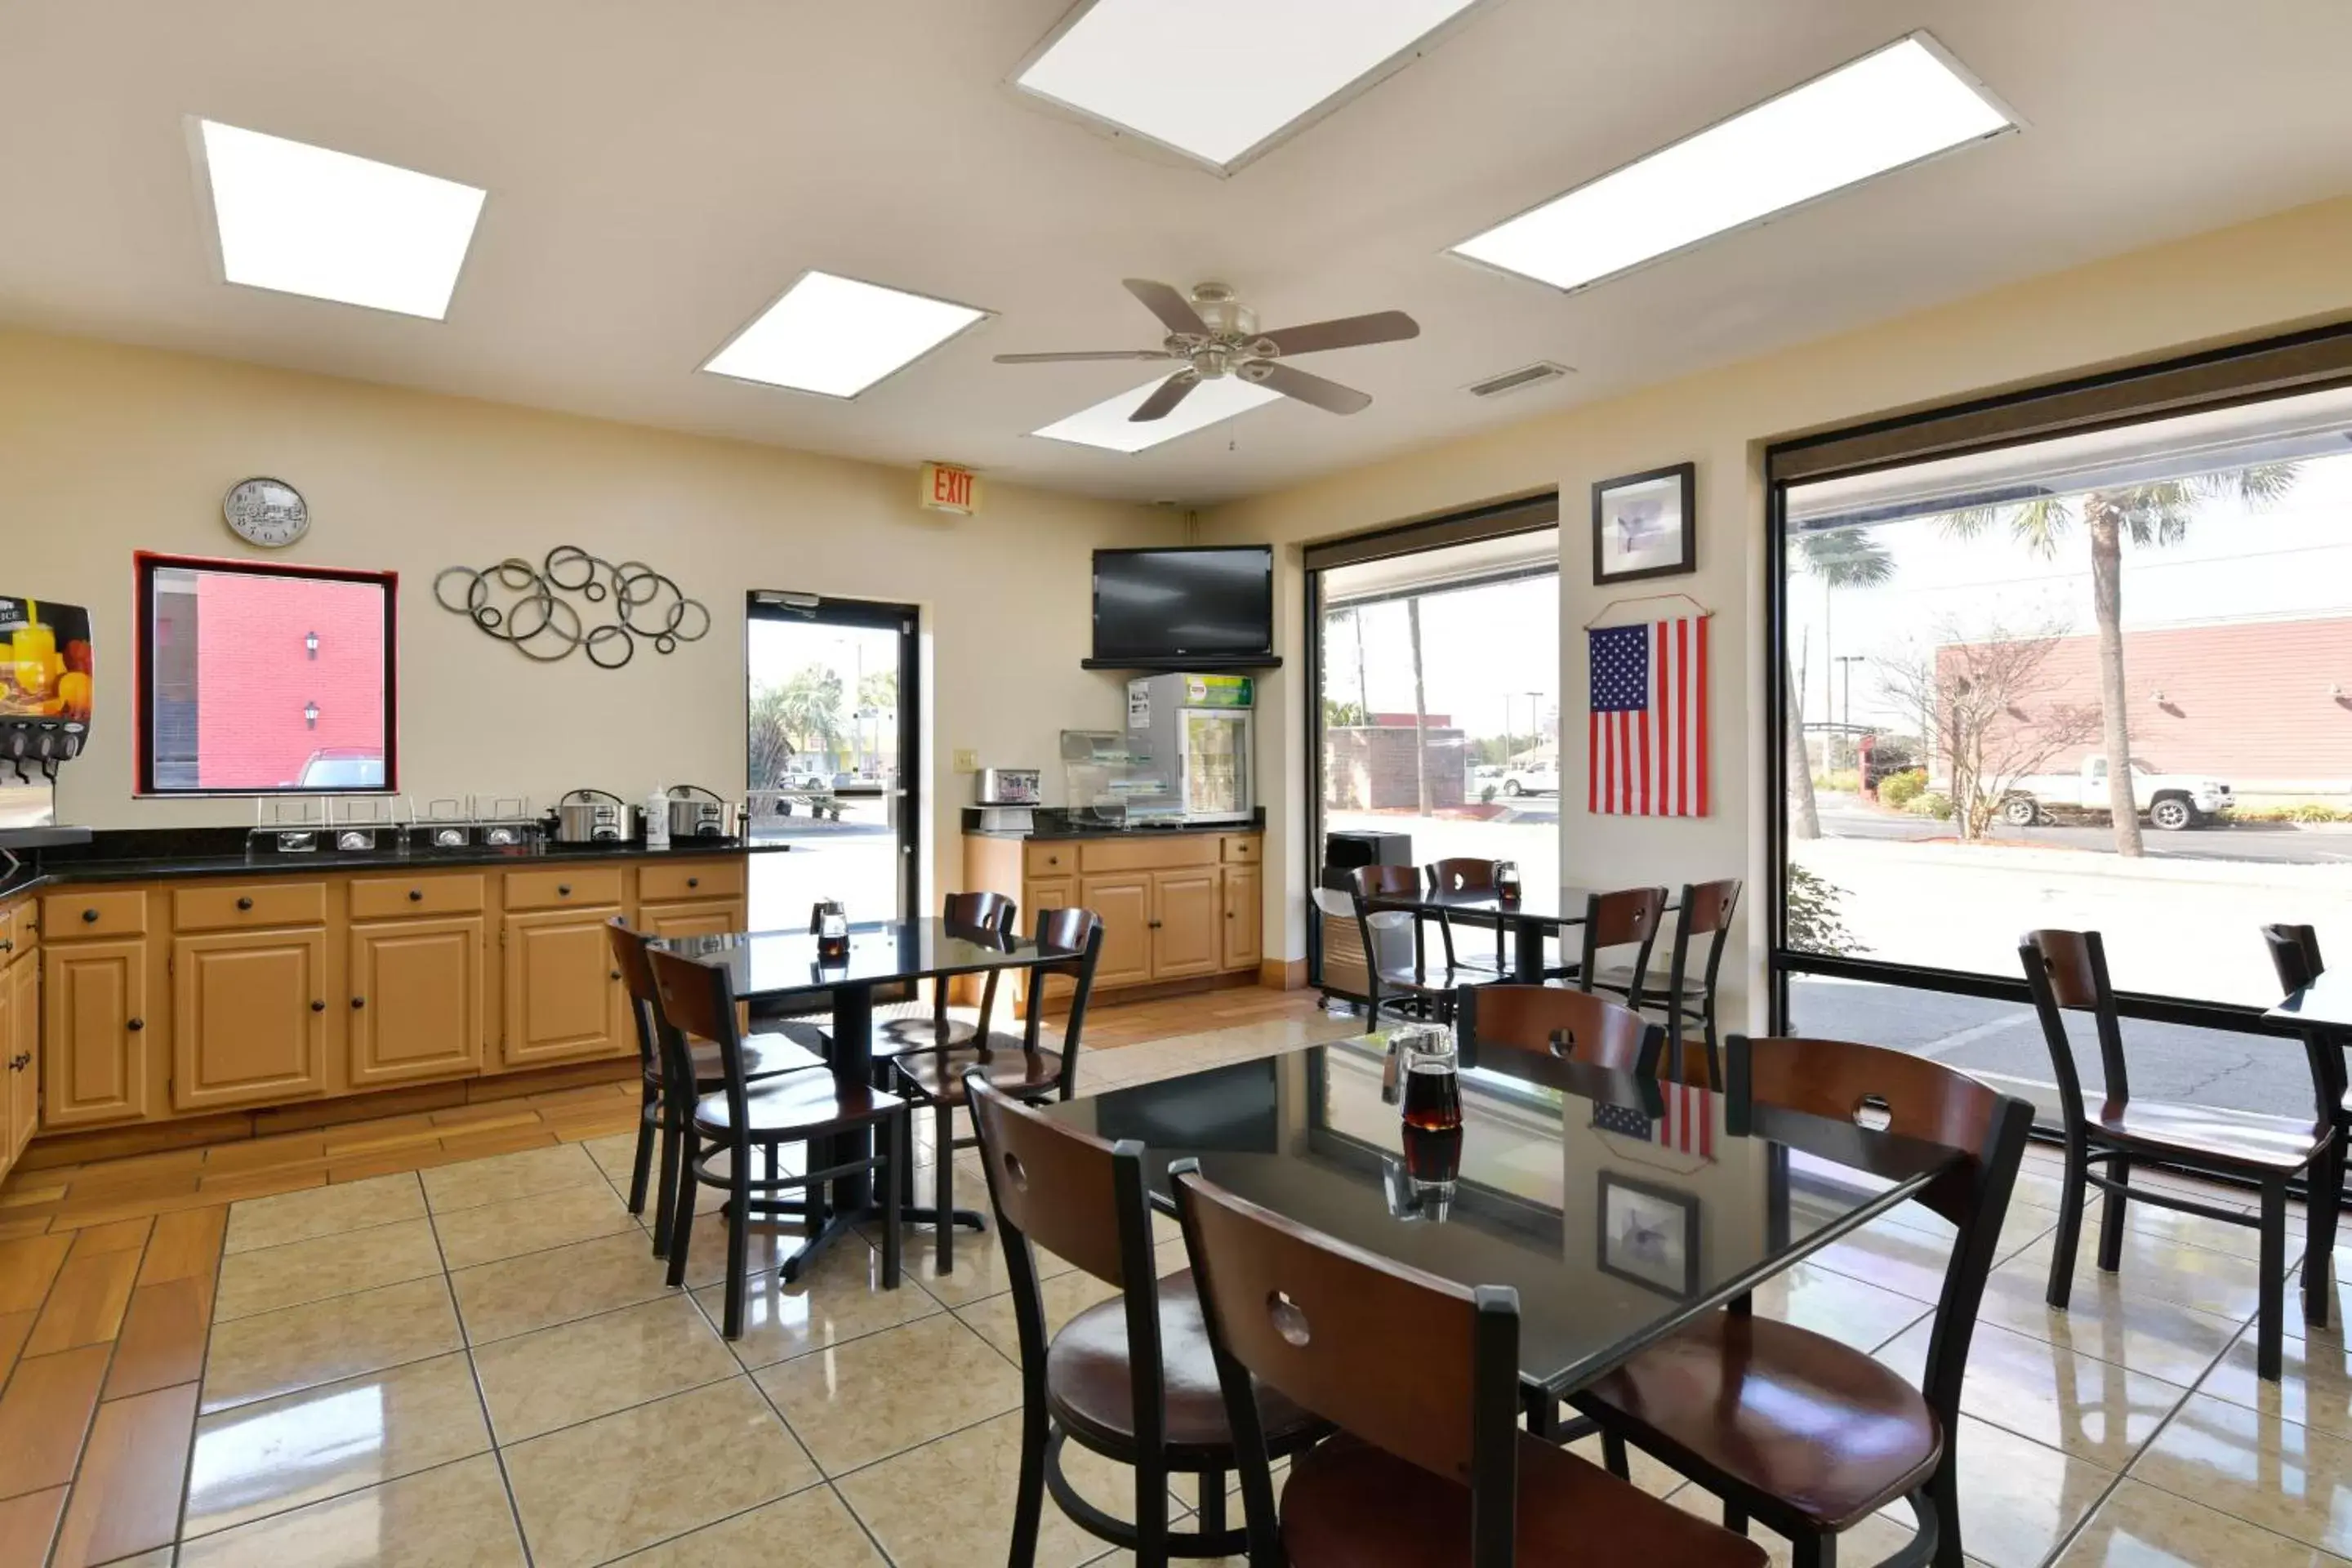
{"x":145,"y":563}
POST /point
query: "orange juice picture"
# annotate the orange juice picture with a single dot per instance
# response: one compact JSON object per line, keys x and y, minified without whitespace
{"x":44,"y":660}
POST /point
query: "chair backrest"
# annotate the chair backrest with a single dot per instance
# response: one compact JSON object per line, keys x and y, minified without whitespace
{"x":699,"y":999}
{"x":2067,"y":973}
{"x":1627,"y":918}
{"x":987,"y":910}
{"x":1545,"y":1021}
{"x":2295,"y":953}
{"x":1080,"y":931}
{"x":1369,"y":882}
{"x":1418,"y":1365}
{"x":1705,"y":909}
{"x":637,"y":979}
{"x":1921,"y":1099}
{"x":1463,"y":874}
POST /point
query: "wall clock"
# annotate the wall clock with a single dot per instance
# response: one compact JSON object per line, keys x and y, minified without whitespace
{"x":267,"y":512}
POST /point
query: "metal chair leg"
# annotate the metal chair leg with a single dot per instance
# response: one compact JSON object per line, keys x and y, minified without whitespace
{"x":943,"y":1186}
{"x":2070,"y":1225}
{"x":2110,"y":1219}
{"x":2270,"y":1329}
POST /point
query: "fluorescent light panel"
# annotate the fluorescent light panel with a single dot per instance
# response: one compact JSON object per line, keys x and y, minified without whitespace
{"x":838,"y":336}
{"x":310,"y":220}
{"x":1904,"y":103}
{"x":1216,"y":78}
{"x":1106,"y":425}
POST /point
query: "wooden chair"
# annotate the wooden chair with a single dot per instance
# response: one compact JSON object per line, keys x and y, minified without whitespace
{"x":1129,"y":1378}
{"x":746,"y":1124}
{"x":911,"y":1025}
{"x":666,"y":1105}
{"x":1021,"y":1067}
{"x":1422,"y":1377}
{"x":1462,"y":874}
{"x":1790,"y":1427}
{"x":2295,"y":953}
{"x":1545,"y":1021}
{"x":1629,"y":917}
{"x":2067,"y":972}
{"x":1421,"y":987}
{"x":1704,"y":909}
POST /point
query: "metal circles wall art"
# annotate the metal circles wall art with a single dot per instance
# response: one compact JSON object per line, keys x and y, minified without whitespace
{"x":539,"y":609}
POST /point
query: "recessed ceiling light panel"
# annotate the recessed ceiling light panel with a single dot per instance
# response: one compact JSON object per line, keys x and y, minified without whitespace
{"x":838,"y":336}
{"x":1107,"y":424}
{"x":310,"y":220}
{"x":1221,"y":79}
{"x":1905,"y":102}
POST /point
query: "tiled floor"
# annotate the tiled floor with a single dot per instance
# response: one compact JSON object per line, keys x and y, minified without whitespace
{"x":477,"y":1362}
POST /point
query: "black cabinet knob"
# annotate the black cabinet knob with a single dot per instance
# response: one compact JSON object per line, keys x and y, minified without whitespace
{"x":359,"y":1001}
{"x":318,"y":1006}
{"x":245,"y":903}
{"x":694,"y":881}
{"x":135,"y":1024}
{"x":89,"y":917}
{"x":7,"y":946}
{"x":415,"y":895}
{"x":616,"y":974}
{"x":563,"y":890}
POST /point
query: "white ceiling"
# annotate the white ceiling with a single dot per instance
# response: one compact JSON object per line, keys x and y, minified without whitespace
{"x":659,"y":172}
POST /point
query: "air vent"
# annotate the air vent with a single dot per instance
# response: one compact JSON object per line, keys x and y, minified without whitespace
{"x":1535,"y":375}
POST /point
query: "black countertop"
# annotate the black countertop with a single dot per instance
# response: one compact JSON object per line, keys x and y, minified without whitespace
{"x":1052,"y":826}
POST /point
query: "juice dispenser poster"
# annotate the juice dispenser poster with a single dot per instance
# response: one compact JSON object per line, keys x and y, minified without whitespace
{"x":44,"y":664}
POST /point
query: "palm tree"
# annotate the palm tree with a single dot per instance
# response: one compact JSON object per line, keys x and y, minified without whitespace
{"x":1841,"y":558}
{"x":2157,"y":513}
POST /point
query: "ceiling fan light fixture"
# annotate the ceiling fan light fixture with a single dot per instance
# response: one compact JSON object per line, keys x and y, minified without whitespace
{"x":1110,"y":426}
{"x":838,"y":336}
{"x":1890,"y":108}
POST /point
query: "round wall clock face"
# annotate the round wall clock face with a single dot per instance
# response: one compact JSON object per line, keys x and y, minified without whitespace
{"x":267,"y":512}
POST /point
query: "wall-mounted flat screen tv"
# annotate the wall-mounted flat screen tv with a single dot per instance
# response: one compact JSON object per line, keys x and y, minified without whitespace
{"x":1170,"y":606}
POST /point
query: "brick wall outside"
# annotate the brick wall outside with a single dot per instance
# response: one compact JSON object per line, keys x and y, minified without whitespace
{"x":254,"y":675}
{"x":1371,"y":769}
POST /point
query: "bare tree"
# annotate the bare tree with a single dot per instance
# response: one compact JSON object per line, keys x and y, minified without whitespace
{"x":1991,"y":709}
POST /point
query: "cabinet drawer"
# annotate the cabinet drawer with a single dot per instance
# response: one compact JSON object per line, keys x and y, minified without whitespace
{"x":1051,"y":860}
{"x":700,"y":879}
{"x":1246,"y":849}
{"x":1148,"y":854}
{"x":70,"y":914}
{"x":569,"y":888}
{"x":212,"y":908}
{"x":12,"y":937}
{"x":398,"y":898}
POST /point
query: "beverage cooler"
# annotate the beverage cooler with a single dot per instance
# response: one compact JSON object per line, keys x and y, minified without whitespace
{"x":45,"y":708}
{"x":1196,"y":736}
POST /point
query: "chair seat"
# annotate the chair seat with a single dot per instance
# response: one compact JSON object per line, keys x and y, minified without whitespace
{"x":938,"y":1076}
{"x":2236,"y":1138}
{"x":1619,"y":978}
{"x":1090,"y":1389}
{"x":1434,"y":980}
{"x":912,"y":1027}
{"x":797,"y":1105}
{"x":1828,"y":1431}
{"x":764,"y":1056}
{"x":1349,"y":1503}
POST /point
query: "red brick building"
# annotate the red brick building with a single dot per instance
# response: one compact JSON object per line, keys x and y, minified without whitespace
{"x":264,"y":700}
{"x":1370,"y":767}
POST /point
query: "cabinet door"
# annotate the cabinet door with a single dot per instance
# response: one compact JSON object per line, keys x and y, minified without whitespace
{"x":563,"y":997}
{"x":1187,"y":923}
{"x":705,"y":917}
{"x":12,"y":1136}
{"x":416,"y":1000}
{"x":249,"y":1018}
{"x":1123,"y":900}
{"x":93,"y":1052}
{"x":24,"y":982}
{"x":1244,"y":912}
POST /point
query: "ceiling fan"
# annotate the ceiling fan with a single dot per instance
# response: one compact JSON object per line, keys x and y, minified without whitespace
{"x":1216,"y":335}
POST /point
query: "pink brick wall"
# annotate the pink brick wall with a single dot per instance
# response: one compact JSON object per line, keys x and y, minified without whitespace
{"x":254,"y":675}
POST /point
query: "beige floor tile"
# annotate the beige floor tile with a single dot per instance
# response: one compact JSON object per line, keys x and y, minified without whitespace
{"x":323,"y":1211}
{"x":322,"y":1342}
{"x":2095,"y":1410}
{"x":979,"y":1269}
{"x":615,"y":1155}
{"x":2154,"y":1269}
{"x":639,"y":1476}
{"x":706,"y":1246}
{"x":1652,"y":1475}
{"x":540,"y":1290}
{"x":1870,"y":1541}
{"x":2140,"y":1527}
{"x":862,"y":1401}
{"x":822,"y":1530}
{"x":842,"y":1298}
{"x":505,"y":1177}
{"x":493,"y":1231}
{"x":2292,"y":1480}
{"x":285,"y":1453}
{"x":594,"y":1366}
{"x":454,"y":1516}
{"x":1065,"y":1296}
{"x":2314,"y":1385}
{"x":2197,"y":1230}
{"x":268,"y":1277}
{"x":1907,"y":1262}
{"x":2175,"y":1343}
{"x":1837,"y":1306}
{"x":980,"y":1468}
{"x":2018,"y":1498}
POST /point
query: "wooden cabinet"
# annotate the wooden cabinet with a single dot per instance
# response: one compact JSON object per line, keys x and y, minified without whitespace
{"x":1187,"y":923}
{"x":23,"y":1004}
{"x":563,"y":997}
{"x":1244,"y":920}
{"x":416,"y":1009}
{"x":93,"y":1015}
{"x":250,"y":1020}
{"x":691,"y":919}
{"x":1123,"y":900}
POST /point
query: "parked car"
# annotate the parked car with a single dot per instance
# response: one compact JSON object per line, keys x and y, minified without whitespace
{"x":2170,"y":801}
{"x":1532,"y":778}
{"x":342,"y":767}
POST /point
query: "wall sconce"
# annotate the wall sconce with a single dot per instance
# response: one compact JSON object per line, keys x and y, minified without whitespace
{"x":2336,"y":692}
{"x":310,"y":714}
{"x":2156,"y":697}
{"x":310,"y":641}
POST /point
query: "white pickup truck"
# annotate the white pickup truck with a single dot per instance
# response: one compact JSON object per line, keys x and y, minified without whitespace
{"x":2169,"y":800}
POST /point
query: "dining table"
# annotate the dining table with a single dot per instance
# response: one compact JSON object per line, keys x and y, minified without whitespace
{"x":2325,"y":1006}
{"x":1619,"y":1208}
{"x":789,"y":968}
{"x":1541,"y":909}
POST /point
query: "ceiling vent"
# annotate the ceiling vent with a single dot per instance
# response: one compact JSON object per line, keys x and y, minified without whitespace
{"x":1518,"y":379}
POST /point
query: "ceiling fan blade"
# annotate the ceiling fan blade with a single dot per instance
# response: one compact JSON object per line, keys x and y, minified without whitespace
{"x":1175,"y":310}
{"x":1083,"y":355}
{"x":1346,"y":333}
{"x":1171,"y":393}
{"x":1292,"y":381}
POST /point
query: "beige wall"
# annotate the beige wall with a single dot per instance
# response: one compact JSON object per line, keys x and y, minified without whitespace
{"x":2271,"y":275}
{"x":106,"y":449}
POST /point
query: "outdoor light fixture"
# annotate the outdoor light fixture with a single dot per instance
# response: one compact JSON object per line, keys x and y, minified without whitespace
{"x":310,"y":641}
{"x":310,"y":714}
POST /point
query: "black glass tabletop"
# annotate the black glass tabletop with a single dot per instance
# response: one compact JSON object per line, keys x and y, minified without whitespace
{"x":2325,"y":1004}
{"x":1551,"y":904}
{"x":765,"y":964}
{"x":1618,"y":1209}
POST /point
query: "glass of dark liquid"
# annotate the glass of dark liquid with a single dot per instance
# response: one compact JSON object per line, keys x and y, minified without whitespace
{"x":1432,"y":1097}
{"x":1506,"y":883}
{"x":830,"y":926}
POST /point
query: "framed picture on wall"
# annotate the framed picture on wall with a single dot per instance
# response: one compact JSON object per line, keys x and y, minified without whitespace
{"x":1645,"y":525}
{"x":1649,"y":1234}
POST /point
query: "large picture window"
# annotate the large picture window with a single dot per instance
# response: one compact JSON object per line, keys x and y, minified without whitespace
{"x":265,"y":680}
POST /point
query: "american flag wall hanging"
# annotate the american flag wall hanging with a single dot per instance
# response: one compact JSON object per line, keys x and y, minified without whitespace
{"x":1648,"y":756}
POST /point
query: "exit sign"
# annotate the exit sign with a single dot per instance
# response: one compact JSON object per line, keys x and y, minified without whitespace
{"x":946,"y":488}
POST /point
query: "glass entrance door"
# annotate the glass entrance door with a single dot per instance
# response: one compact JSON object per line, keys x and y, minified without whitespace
{"x":830,"y":733}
